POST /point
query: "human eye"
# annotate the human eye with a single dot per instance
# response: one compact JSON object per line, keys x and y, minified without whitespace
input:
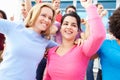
{"x":43,"y":15}
{"x":74,"y":25}
{"x":65,"y":23}
{"x":50,"y":18}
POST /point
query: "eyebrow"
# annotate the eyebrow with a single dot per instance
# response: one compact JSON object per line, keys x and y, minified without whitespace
{"x":68,"y":22}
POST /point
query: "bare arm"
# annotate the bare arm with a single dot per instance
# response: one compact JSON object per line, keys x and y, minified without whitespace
{"x":28,"y":5}
{"x":97,"y":31}
{"x":86,"y":34}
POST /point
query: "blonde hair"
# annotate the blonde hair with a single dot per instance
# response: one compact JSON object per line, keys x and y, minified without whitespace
{"x":34,"y":13}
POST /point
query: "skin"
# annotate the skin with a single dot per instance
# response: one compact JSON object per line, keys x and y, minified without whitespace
{"x":56,"y":4}
{"x":69,"y":30}
{"x":100,"y":8}
{"x":24,"y":11}
{"x":1,"y":16}
{"x":38,"y":1}
{"x":44,"y":20}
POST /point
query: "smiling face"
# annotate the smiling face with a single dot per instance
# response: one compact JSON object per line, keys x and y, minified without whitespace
{"x":56,"y":4}
{"x":40,"y":18}
{"x":23,"y":10}
{"x":69,"y":28}
{"x":44,"y":20}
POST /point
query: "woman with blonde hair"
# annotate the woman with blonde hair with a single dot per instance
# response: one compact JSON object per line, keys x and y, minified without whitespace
{"x":26,"y":43}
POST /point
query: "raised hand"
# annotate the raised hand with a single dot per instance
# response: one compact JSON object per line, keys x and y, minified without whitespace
{"x":85,"y":3}
{"x":38,"y":1}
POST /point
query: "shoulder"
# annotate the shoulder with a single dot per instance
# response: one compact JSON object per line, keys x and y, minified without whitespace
{"x":52,"y":50}
{"x":107,"y":44}
{"x":51,"y":43}
{"x":19,"y":25}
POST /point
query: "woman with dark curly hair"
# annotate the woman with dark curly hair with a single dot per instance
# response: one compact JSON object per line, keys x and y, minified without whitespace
{"x":109,"y":52}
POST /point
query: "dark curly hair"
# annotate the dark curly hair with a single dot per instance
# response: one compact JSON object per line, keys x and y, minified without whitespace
{"x":114,"y":23}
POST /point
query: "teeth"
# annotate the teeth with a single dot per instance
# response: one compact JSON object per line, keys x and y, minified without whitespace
{"x":68,"y":32}
{"x":44,"y":25}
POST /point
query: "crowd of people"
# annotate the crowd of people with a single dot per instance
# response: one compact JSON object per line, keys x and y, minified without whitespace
{"x":48,"y":45}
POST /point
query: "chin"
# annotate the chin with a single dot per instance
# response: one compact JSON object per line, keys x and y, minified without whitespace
{"x":44,"y":29}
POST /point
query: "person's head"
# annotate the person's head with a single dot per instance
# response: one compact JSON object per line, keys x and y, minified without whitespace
{"x":100,"y":8}
{"x":40,"y":18}
{"x":3,"y":15}
{"x":23,"y":10}
{"x":70,"y":9}
{"x":70,"y":25}
{"x":56,"y":4}
{"x":114,"y":23}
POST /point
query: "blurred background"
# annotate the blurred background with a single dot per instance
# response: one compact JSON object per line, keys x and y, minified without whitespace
{"x":12,"y":7}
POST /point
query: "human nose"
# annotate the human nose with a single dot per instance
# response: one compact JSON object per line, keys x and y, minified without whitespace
{"x":68,"y":26}
{"x":46,"y":19}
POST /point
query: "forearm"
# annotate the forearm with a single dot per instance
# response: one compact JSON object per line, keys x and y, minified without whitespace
{"x":28,"y":5}
{"x":97,"y":32}
{"x":95,"y":22}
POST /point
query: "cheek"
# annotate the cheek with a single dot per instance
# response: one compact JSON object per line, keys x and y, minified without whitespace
{"x":61,"y":30}
{"x":77,"y":31}
{"x":49,"y":24}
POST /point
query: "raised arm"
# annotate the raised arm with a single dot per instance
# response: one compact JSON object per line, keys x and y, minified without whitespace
{"x":6,"y":26}
{"x":28,"y":5}
{"x":97,"y":31}
{"x":38,"y":1}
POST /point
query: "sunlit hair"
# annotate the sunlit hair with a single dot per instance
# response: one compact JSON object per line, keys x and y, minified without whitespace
{"x":4,"y":16}
{"x":34,"y":13}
